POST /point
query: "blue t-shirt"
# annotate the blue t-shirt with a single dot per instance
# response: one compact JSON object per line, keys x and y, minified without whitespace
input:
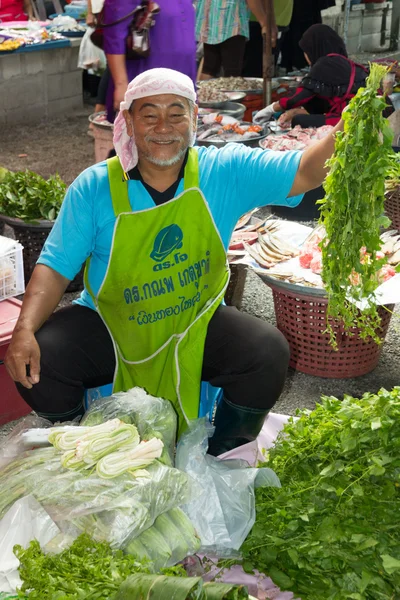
{"x":234,"y":180}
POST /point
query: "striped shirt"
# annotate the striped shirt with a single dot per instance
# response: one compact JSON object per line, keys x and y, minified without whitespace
{"x":219,"y":20}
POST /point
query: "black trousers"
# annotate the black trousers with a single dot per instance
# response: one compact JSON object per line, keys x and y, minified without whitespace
{"x":246,"y":357}
{"x":227,"y":55}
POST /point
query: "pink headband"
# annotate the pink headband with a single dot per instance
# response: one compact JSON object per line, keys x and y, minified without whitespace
{"x":149,"y":83}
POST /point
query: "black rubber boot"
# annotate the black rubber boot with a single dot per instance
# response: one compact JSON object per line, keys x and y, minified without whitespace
{"x":234,"y":426}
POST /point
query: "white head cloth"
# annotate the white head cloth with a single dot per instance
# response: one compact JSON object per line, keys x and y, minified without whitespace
{"x":149,"y":83}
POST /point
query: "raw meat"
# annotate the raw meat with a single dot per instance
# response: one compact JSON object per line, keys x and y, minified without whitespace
{"x":295,"y":139}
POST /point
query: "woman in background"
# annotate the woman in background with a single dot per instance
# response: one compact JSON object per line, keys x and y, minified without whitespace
{"x":172,"y":40}
{"x":327,"y":89}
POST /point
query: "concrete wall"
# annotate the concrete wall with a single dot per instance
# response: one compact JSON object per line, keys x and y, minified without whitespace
{"x":38,"y":85}
{"x":368,"y":29}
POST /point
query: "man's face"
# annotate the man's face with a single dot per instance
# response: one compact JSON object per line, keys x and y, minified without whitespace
{"x":163,"y":126}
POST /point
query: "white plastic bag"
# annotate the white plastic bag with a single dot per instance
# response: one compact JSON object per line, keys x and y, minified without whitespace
{"x":90,"y":56}
{"x":224,"y":512}
{"x":25,"y":521}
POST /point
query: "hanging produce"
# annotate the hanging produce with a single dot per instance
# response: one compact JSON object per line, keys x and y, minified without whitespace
{"x":353,"y":209}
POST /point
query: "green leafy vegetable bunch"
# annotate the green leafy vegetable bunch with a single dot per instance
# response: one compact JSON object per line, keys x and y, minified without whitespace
{"x":353,"y":207}
{"x":86,"y":570}
{"x":28,"y":196}
{"x":331,"y":532}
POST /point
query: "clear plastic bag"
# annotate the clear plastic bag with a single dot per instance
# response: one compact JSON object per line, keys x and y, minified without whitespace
{"x":152,"y":416}
{"x":115,"y":510}
{"x":223,"y":512}
{"x":90,"y":56}
{"x":168,"y":541}
{"x":15,"y":443}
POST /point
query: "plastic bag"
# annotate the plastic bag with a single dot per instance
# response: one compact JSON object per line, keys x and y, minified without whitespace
{"x":168,"y":541}
{"x":25,"y":521}
{"x":152,"y":416}
{"x":90,"y":56}
{"x":223,"y":513}
{"x":16,"y":442}
{"x":115,"y":510}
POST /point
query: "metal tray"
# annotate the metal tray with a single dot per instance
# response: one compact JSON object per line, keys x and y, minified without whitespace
{"x":258,"y":90}
{"x":101,"y":124}
{"x":233,"y":109}
{"x":296,"y":288}
{"x":232,"y":97}
{"x":253,"y":142}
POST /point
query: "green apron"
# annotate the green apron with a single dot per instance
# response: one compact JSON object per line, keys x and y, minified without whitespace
{"x":166,"y":276}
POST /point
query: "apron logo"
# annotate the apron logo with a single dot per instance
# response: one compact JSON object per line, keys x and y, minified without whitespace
{"x":167,"y":241}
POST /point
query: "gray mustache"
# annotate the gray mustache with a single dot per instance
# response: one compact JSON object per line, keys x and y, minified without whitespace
{"x":150,"y":138}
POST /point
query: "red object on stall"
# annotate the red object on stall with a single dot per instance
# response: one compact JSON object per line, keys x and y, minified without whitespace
{"x":11,"y":404}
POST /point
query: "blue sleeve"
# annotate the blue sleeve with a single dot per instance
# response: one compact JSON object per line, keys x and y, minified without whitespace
{"x":71,"y":239}
{"x":262,"y":177}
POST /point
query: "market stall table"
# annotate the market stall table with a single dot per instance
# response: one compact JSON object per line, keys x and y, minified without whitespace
{"x":40,"y":81}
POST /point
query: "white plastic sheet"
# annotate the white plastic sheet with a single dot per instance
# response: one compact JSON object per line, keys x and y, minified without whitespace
{"x":25,"y":521}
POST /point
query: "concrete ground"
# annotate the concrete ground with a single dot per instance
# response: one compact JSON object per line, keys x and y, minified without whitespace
{"x":63,"y":146}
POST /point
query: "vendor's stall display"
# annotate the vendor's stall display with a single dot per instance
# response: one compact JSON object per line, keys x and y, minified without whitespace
{"x":91,"y":569}
{"x":294,"y":139}
{"x":301,"y":301}
{"x":67,"y":26}
{"x":330,"y":531}
{"x":69,"y":31}
{"x":115,"y":510}
{"x":232,"y":84}
{"x":209,"y":98}
{"x":232,"y":109}
{"x":9,"y":44}
{"x":219,"y":129}
{"x":29,"y":204}
{"x":352,"y":211}
{"x":253,"y":88}
{"x":28,"y":36}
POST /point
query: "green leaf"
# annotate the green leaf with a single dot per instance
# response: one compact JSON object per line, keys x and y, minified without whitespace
{"x":280,"y":578}
{"x":376,"y":423}
{"x":390,"y":564}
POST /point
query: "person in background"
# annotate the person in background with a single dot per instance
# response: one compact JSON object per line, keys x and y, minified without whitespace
{"x":16,"y":10}
{"x":327,"y":89}
{"x":253,"y":56}
{"x":172,"y":41}
{"x":223,"y":27}
{"x":305,"y":13}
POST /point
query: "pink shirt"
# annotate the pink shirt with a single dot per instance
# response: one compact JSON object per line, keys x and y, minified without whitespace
{"x":12,"y":10}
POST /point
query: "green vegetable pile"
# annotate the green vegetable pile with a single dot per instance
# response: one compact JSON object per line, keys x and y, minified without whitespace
{"x":28,"y":196}
{"x":86,"y":570}
{"x":89,"y":570}
{"x":332,"y":531}
{"x":353,"y":207}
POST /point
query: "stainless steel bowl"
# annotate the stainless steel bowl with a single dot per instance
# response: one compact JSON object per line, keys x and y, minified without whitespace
{"x":233,"y":109}
{"x":253,"y":143}
{"x":231,"y":97}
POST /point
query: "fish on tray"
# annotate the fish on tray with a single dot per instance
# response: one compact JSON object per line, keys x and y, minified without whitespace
{"x":225,"y":128}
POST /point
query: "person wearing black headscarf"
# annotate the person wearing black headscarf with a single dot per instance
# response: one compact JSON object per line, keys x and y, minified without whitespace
{"x":332,"y":81}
